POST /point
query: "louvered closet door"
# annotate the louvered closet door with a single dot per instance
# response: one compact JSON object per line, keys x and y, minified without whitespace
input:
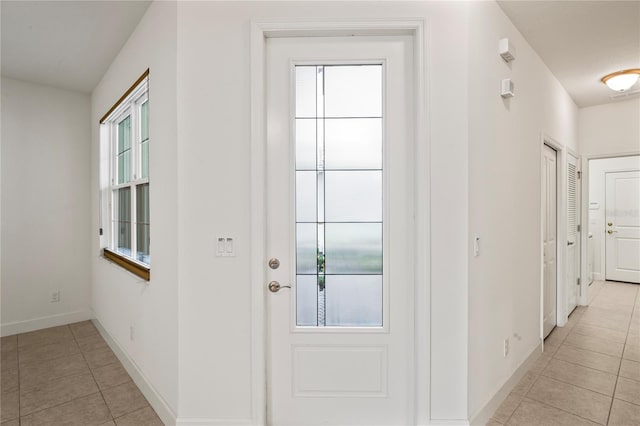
{"x":573,"y":235}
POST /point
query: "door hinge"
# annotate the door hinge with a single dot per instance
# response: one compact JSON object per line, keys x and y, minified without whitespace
{"x":100,"y":231}
{"x":579,"y":228}
{"x":578,"y":281}
{"x":579,"y":174}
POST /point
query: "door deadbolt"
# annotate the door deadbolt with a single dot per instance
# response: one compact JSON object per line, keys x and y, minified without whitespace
{"x":609,"y":224}
{"x":274,"y":263}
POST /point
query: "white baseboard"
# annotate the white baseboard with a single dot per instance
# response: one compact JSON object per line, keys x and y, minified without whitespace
{"x":213,"y":422}
{"x":449,"y":423}
{"x":485,"y":413}
{"x":16,"y":327}
{"x":156,"y":400}
{"x":597,"y":276}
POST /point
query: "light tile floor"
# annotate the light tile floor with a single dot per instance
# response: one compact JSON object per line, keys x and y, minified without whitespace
{"x":589,"y":372}
{"x":68,"y":376}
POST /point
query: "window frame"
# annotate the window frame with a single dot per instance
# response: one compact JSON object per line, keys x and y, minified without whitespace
{"x":129,"y":105}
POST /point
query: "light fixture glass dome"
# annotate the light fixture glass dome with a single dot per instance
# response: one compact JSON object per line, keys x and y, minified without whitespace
{"x":621,"y":81}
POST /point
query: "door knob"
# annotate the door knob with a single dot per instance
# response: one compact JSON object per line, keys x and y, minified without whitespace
{"x":570,"y":243}
{"x":274,"y":286}
{"x":610,"y":231}
{"x":609,"y":224}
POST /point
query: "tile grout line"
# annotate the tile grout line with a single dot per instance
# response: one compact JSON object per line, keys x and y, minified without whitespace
{"x":615,"y":389}
{"x":94,"y":377}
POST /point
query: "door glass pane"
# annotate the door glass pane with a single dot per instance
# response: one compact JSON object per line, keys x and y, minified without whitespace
{"x":353,"y":91}
{"x":353,"y":248}
{"x":124,"y":150}
{"x":354,"y":300}
{"x":353,"y":143}
{"x":142,"y":223}
{"x":339,"y":193}
{"x":306,"y":248}
{"x":353,"y":196}
{"x":307,"y":307}
{"x":122,"y":222}
{"x":306,"y":197}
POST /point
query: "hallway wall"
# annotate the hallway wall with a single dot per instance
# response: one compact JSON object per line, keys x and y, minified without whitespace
{"x":610,"y":129}
{"x":140,"y":316}
{"x":214,"y":173}
{"x":45,"y":194}
{"x":505,"y":145}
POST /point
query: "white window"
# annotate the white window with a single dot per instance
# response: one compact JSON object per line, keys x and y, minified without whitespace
{"x":128,"y":228}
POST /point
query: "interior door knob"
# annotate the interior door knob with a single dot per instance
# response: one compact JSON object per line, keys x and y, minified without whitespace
{"x":274,"y":286}
{"x":611,"y":231}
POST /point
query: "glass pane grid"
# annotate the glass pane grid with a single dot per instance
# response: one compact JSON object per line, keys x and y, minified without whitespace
{"x":338,"y":126}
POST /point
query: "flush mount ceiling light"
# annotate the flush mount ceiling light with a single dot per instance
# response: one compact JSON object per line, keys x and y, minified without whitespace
{"x":621,"y":81}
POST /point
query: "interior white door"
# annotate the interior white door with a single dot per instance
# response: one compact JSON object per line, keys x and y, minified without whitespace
{"x":339,"y":220}
{"x":573,"y":232}
{"x":549,"y":244}
{"x":622,"y":227}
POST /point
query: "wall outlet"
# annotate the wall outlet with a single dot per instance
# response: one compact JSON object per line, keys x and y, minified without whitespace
{"x":506,"y":347}
{"x":55,"y":296}
{"x":131,"y":330}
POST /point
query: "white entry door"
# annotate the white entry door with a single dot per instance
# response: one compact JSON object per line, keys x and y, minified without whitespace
{"x":622,"y":226}
{"x":573,"y":232}
{"x":339,"y":220}
{"x":549,"y":237}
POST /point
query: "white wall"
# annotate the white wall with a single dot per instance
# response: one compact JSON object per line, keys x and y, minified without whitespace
{"x":597,"y":170}
{"x":610,"y":129}
{"x":214,"y":196}
{"x":45,"y":199}
{"x":505,"y":197}
{"x":120,"y":300}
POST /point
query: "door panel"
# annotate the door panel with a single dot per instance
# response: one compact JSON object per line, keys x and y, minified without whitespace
{"x":549,"y":227}
{"x":339,"y":219}
{"x":573,"y":235}
{"x":622,"y":227}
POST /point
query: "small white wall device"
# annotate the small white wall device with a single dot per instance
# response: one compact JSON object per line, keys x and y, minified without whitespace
{"x":506,"y":88}
{"x":507,"y":50}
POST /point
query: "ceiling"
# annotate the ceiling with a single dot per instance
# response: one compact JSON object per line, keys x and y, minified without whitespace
{"x":581,"y":41}
{"x":65,"y":44}
{"x":70,"y":44}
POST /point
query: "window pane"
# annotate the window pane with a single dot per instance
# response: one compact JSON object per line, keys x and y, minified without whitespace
{"x":144,"y":118}
{"x":124,"y":150}
{"x":122,"y":220}
{"x":306,"y":248}
{"x":306,"y":144}
{"x":144,"y":147}
{"x":353,"y":196}
{"x":145,"y":158}
{"x":307,"y":305}
{"x":353,"y":248}
{"x":306,"y":197}
{"x":305,"y":91}
{"x":354,"y":300}
{"x":142,"y":223}
{"x":353,"y":91}
{"x":353,"y":143}
{"x":124,"y":135}
{"x":124,"y":167}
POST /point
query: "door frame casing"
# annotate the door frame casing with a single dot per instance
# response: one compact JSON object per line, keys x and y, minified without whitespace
{"x":261,"y":30}
{"x":574,"y":154}
{"x":561,"y":233}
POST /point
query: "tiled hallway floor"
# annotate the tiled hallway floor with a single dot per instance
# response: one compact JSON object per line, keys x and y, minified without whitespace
{"x":67,"y":375}
{"x":589,"y":372}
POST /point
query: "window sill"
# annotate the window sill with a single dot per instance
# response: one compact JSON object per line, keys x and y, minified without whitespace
{"x":135,"y":268}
